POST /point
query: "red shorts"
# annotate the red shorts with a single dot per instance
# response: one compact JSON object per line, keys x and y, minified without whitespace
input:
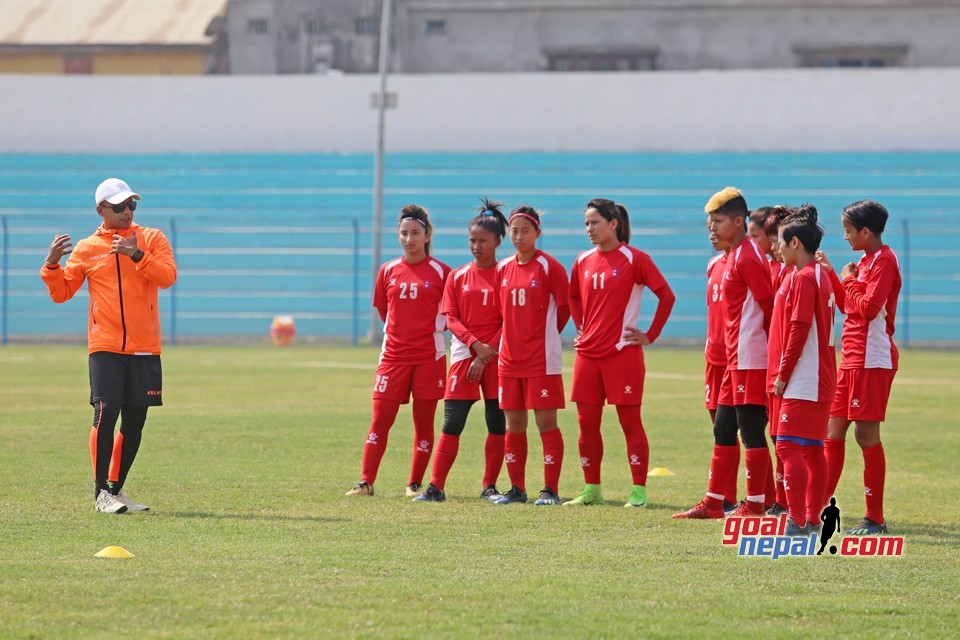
{"x":743,"y":386}
{"x":396,"y":381}
{"x":862,"y":394}
{"x":617,"y":379}
{"x":803,"y":419}
{"x":773,"y":413}
{"x":536,"y":392}
{"x":712,"y":381}
{"x":459,"y":388}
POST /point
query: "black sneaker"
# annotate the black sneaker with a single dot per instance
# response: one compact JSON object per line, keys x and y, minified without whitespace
{"x":867,"y":527}
{"x":547,"y":496}
{"x":729,"y":507}
{"x":793,"y":529}
{"x":489,"y":492}
{"x":776,"y":509}
{"x":514,"y":495}
{"x":432,"y":494}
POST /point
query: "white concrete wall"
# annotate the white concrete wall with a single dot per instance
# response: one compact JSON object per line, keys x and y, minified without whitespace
{"x":782,"y":110}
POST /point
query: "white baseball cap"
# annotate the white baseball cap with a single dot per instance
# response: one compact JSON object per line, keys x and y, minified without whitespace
{"x":115,"y":191}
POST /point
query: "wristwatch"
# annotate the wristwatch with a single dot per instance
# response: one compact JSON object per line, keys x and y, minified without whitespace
{"x":137,"y":255}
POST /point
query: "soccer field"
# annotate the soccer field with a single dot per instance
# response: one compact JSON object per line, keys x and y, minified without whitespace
{"x":250,"y":534}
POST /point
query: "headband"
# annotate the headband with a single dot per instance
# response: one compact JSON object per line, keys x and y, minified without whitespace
{"x":415,"y":220}
{"x":536,"y":223}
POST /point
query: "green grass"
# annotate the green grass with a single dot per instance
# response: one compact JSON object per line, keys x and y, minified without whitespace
{"x":250,"y":535}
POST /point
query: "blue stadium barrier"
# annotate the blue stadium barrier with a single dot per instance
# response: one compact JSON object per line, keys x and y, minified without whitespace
{"x":262,"y":235}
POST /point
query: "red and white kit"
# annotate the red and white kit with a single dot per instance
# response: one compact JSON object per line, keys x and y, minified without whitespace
{"x":472,"y":313}
{"x":747,"y":296}
{"x":808,"y":360}
{"x":605,"y":295}
{"x":533,"y":304}
{"x":408,"y":297}
{"x":869,"y":357}
{"x":715,"y":351}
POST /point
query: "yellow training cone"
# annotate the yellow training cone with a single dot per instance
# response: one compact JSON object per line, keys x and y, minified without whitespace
{"x":114,"y":552}
{"x":660,"y":471}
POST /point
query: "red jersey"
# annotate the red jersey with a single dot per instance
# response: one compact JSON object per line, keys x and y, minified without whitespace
{"x":533,"y":302}
{"x":715,"y":350}
{"x":776,"y":269}
{"x":809,"y":361}
{"x":606,"y":288}
{"x":471,"y":310}
{"x":779,"y":325}
{"x":870,"y":302}
{"x":747,"y":303}
{"x":408,"y":297}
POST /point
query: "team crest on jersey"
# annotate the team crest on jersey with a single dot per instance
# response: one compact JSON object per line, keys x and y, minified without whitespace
{"x":534,"y":283}
{"x":615,"y":273}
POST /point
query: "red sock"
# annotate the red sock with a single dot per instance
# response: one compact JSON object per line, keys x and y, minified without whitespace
{"x":384,"y":413}
{"x":781,"y":493}
{"x":515,"y":455}
{"x":757,"y":464}
{"x":795,"y":479}
{"x":721,"y":466}
{"x":447,"y":448}
{"x":424,"y":412}
{"x":769,"y":485}
{"x":638,"y":448}
{"x":817,"y":483}
{"x":493,"y":452}
{"x":590,"y":442}
{"x":874,"y":476}
{"x":730,"y":495}
{"x":552,"y":458}
{"x":834,"y":451}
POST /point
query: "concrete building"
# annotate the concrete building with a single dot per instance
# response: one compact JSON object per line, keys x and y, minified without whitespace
{"x":112,"y":36}
{"x":439,"y":36}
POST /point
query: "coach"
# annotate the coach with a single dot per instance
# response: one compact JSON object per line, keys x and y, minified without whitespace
{"x":124,"y":264}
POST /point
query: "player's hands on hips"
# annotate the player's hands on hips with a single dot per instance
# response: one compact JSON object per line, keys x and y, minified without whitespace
{"x":124,"y":246}
{"x":58,"y":248}
{"x":779,"y":386}
{"x":821,"y":258}
{"x":849,"y":270}
{"x":633,"y":335}
{"x":475,"y":370}
{"x":484,"y":352}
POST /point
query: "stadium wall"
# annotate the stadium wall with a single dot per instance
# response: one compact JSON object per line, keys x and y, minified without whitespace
{"x":803,"y":110}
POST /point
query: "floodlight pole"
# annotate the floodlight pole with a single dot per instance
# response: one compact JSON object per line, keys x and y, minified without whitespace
{"x":375,"y":333}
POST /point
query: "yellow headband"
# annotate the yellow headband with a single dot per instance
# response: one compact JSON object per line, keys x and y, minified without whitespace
{"x":721,"y":198}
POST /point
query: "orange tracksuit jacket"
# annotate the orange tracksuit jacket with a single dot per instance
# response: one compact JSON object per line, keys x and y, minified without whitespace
{"x":124,"y":316}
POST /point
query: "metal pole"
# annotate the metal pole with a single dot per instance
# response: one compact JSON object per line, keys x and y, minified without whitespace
{"x":375,"y":328}
{"x":173,"y":289}
{"x":6,"y":272}
{"x":906,"y":283}
{"x":355,"y":316}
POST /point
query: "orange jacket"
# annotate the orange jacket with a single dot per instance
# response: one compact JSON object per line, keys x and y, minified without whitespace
{"x":124,"y":316}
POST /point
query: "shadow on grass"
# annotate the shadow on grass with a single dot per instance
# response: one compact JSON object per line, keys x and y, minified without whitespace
{"x":252,"y":516}
{"x":938,"y":534}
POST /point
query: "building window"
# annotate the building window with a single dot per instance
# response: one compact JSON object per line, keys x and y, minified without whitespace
{"x":314,"y":26}
{"x":435,"y":27}
{"x":602,"y":61}
{"x":831,"y":57}
{"x":367,"y":26}
{"x":258,"y":25}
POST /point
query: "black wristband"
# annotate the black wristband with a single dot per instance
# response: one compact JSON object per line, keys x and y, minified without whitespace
{"x":137,"y":255}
